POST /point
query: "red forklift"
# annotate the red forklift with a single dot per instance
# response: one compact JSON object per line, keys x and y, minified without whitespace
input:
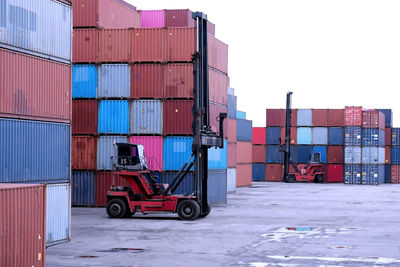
{"x":309,"y":172}
{"x":144,"y":194}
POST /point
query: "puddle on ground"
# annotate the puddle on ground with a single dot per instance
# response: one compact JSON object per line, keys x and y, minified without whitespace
{"x":301,"y":229}
{"x":131,"y":250}
{"x":87,"y":256}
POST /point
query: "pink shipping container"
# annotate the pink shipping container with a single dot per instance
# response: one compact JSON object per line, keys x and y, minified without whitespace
{"x":22,"y":225}
{"x":232,"y":130}
{"x":395,"y":174}
{"x":335,"y":117}
{"x":148,"y":45}
{"x":115,"y":45}
{"x":231,"y":155}
{"x":180,"y":44}
{"x":107,"y":14}
{"x":259,"y":135}
{"x":244,"y":151}
{"x":320,"y":117}
{"x":104,"y":181}
{"x":259,"y":153}
{"x":178,"y":80}
{"x":244,"y":175}
{"x":84,"y":153}
{"x":217,"y":54}
{"x":373,"y":118}
{"x":218,"y":87}
{"x":153,"y":147}
{"x":177,"y":117}
{"x":147,"y":81}
{"x":211,"y":28}
{"x":215,"y":110}
{"x":179,"y":18}
{"x":85,"y":46}
{"x":34,"y":88}
{"x":153,"y":18}
{"x":353,"y":116}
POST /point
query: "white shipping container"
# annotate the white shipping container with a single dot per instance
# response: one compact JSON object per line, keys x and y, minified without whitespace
{"x":231,"y":180}
{"x":146,"y":117}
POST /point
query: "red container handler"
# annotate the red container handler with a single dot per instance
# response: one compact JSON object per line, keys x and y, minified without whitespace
{"x":178,"y":80}
{"x":274,"y":172}
{"x":244,"y":152}
{"x":115,"y":45}
{"x":84,"y":153}
{"x":180,"y":44}
{"x":320,"y":117}
{"x":85,"y":46}
{"x":259,"y":153}
{"x":259,"y":136}
{"x":148,"y":45}
{"x":293,"y":135}
{"x":218,"y":87}
{"x":22,"y":225}
{"x":353,"y":116}
{"x":178,"y":18}
{"x":336,"y":118}
{"x":147,"y":81}
{"x":84,"y":117}
{"x":232,"y":130}
{"x":335,"y":173}
{"x":373,"y":118}
{"x":231,"y":155}
{"x":335,"y":154}
{"x":244,"y":175}
{"x":388,"y":154}
{"x":217,"y":54}
{"x":104,"y":181}
{"x":177,"y":117}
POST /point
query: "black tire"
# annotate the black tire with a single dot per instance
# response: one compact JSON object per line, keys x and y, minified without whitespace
{"x":291,"y":178}
{"x":116,"y":208}
{"x":188,"y":209}
{"x":207,"y":212}
{"x":319,"y":178}
{"x":129,"y":213}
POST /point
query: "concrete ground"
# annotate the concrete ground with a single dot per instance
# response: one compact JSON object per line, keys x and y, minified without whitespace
{"x":270,"y":224}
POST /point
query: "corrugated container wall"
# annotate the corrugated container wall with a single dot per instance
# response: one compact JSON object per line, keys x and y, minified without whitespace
{"x":244,"y":151}
{"x":153,"y":147}
{"x":303,"y":154}
{"x":178,"y":18}
{"x":373,"y":118}
{"x":176,"y":151}
{"x":84,"y":117}
{"x":22,"y":241}
{"x":217,"y":157}
{"x":388,"y":136}
{"x":232,"y":106}
{"x":335,"y":173}
{"x":177,"y":117}
{"x":304,"y":135}
{"x":231,"y":157}
{"x":84,"y":81}
{"x":146,"y":117}
{"x":395,"y":136}
{"x":217,"y":54}
{"x":273,"y":154}
{"x":336,"y":117}
{"x":83,"y":153}
{"x":304,"y":117}
{"x":214,"y":111}
{"x":272,"y":135}
{"x":83,"y":188}
{"x":244,"y":130}
{"x":218,"y":84}
{"x":322,"y":151}
{"x":373,"y":155}
{"x":34,"y":151}
{"x":178,"y":81}
{"x":153,"y":18}
{"x":217,"y":187}
{"x":105,"y":150}
{"x":352,"y":174}
{"x":187,"y":185}
{"x":240,"y":115}
{"x":232,"y":131}
{"x":388,"y":117}
{"x":395,"y":174}
{"x":353,"y":116}
{"x":273,"y":172}
{"x":274,"y":117}
{"x":104,"y":180}
{"x":210,"y":28}
{"x":113,"y":117}
{"x":243,"y":175}
{"x":115,"y":45}
{"x":352,"y":136}
{"x":180,"y":44}
{"x":259,"y":135}
{"x":231,"y":180}
{"x":34,"y":88}
{"x":373,"y":137}
{"x":388,"y":154}
{"x":147,"y":81}
{"x":148,"y":45}
{"x":352,"y":155}
{"x":335,"y":136}
{"x":320,"y":136}
{"x":85,"y":46}
{"x":335,"y":154}
{"x":114,"y":81}
{"x":293,"y":135}
{"x":258,"y":172}
{"x":388,"y":173}
{"x":320,"y":117}
{"x":373,"y":174}
{"x":395,"y":155}
{"x":293,"y":118}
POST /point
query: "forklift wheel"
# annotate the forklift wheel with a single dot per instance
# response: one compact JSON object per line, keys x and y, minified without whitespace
{"x":116,"y":208}
{"x":188,"y":209}
{"x":290,"y":178}
{"x":319,"y":178}
{"x":207,"y":212}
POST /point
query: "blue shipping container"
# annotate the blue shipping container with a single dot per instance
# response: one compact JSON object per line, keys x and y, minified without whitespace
{"x":146,"y":117}
{"x":273,"y":135}
{"x":34,"y":151}
{"x":217,"y":157}
{"x":216,"y":187}
{"x":273,"y":154}
{"x":303,"y":154}
{"x":320,"y":136}
{"x":232,"y":106}
{"x":115,"y":80}
{"x":84,"y":81}
{"x":83,"y":188}
{"x":304,"y":136}
{"x":244,"y":130}
{"x":395,"y":155}
{"x":322,"y":151}
{"x":304,"y":117}
{"x":185,"y":187}
{"x":373,"y":174}
{"x":352,"y":136}
{"x":352,"y":155}
{"x":335,"y":136}
{"x":176,"y":151}
{"x":352,"y":174}
{"x":373,"y":155}
{"x":388,"y":173}
{"x":388,"y":117}
{"x":373,"y":137}
{"x":395,"y":136}
{"x":240,"y":115}
{"x":258,"y":172}
{"x":113,"y":117}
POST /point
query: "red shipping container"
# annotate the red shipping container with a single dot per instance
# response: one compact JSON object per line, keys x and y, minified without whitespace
{"x":373,"y":118}
{"x":244,"y":175}
{"x":335,"y":154}
{"x":320,"y":117}
{"x":180,"y":44}
{"x":395,"y":174}
{"x":293,"y":118}
{"x":104,"y":181}
{"x":179,"y":18}
{"x":107,"y":14}
{"x":293,"y":135}
{"x":178,"y":81}
{"x":388,"y":136}
{"x":215,"y":110}
{"x":259,"y":135}
{"x":336,"y":117}
{"x":388,"y":154}
{"x":244,"y":152}
{"x":275,"y":118}
{"x":259,"y":153}
{"x":148,"y":45}
{"x":231,"y":155}
{"x":335,"y":173}
{"x":84,"y":153}
{"x":177,"y":117}
{"x":232,"y":130}
{"x":115,"y":45}
{"x":218,"y":87}
{"x":217,"y":54}
{"x":84,"y":117}
{"x":353,"y":116}
{"x":274,"y":172}
{"x":22,"y":225}
{"x":34,"y":88}
{"x":85,"y":46}
{"x":147,"y":81}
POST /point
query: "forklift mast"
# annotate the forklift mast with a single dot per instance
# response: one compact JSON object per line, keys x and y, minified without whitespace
{"x":285,"y":148}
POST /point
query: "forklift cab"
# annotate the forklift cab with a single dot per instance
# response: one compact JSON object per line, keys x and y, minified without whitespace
{"x":129,"y":157}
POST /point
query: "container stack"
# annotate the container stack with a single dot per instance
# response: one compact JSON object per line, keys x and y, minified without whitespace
{"x":334,"y":150}
{"x":258,"y":153}
{"x":232,"y":139}
{"x":388,"y":142}
{"x":35,"y":104}
{"x":244,"y":150}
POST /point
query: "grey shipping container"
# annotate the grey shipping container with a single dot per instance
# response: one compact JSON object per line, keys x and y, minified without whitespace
{"x":304,"y":117}
{"x":373,"y":155}
{"x":146,"y":117}
{"x":373,"y":137}
{"x":352,"y":174}
{"x":216,"y":189}
{"x":105,"y":150}
{"x":244,"y":130}
{"x":373,"y":174}
{"x":114,"y":81}
{"x":83,"y":188}
{"x":320,"y":136}
{"x":352,"y":155}
{"x":232,"y":106}
{"x":352,"y":136}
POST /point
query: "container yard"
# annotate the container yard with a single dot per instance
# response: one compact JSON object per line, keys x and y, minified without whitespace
{"x":121,"y":133}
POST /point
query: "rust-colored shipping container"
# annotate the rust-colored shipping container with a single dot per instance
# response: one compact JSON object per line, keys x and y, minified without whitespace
{"x":395,"y":174}
{"x":373,"y":118}
{"x":293,"y":135}
{"x":147,"y":81}
{"x":274,"y":117}
{"x":34,"y":88}
{"x":335,"y":173}
{"x":293,"y":118}
{"x":232,"y":130}
{"x":180,"y":44}
{"x":178,"y":80}
{"x":148,"y":45}
{"x":274,"y":172}
{"x":215,"y":110}
{"x":84,"y":152}
{"x":320,"y":117}
{"x":210,"y":28}
{"x":114,"y":45}
{"x":335,"y":154}
{"x":177,"y":117}
{"x":388,"y":136}
{"x":85,"y":46}
{"x":178,"y":18}
{"x":84,"y":117}
{"x":231,"y":154}
{"x":244,"y":152}
{"x":335,"y":117}
{"x":217,"y":54}
{"x":107,"y":14}
{"x":22,"y":225}
{"x":244,"y":175}
{"x":388,"y":154}
{"x":218,"y":87}
{"x":259,"y":136}
{"x":104,"y":181}
{"x":353,"y":116}
{"x":259,"y":153}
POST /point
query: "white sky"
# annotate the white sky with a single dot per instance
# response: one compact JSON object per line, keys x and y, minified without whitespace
{"x":330,"y":53}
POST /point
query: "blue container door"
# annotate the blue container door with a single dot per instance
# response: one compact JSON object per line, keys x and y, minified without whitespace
{"x":84,"y":81}
{"x":396,"y":137}
{"x":304,"y":117}
{"x":232,"y":104}
{"x":388,"y":117}
{"x":304,"y":136}
{"x":320,"y":136}
{"x":176,"y":151}
{"x":335,"y":136}
{"x":322,"y":151}
{"x":273,"y":154}
{"x":217,"y":157}
{"x":388,"y":173}
{"x":83,"y":189}
{"x":273,"y":135}
{"x":353,"y":136}
{"x":303,"y":154}
{"x":395,"y":155}
{"x":244,"y":130}
{"x":258,"y":172}
{"x":185,"y":187}
{"x":216,"y":187}
{"x":381,"y":141}
{"x":113,"y":117}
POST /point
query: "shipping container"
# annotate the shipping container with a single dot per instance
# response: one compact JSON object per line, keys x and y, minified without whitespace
{"x":83,"y":188}
{"x":388,"y":155}
{"x":336,"y":118}
{"x":84,"y":81}
{"x":293,"y":135}
{"x":113,"y":117}
{"x":335,"y":173}
{"x":148,"y":45}
{"x":373,"y":118}
{"x":115,"y":45}
{"x":373,"y":174}
{"x":319,"y":117}
{"x":395,"y":174}
{"x":218,"y":85}
{"x":217,"y":54}
{"x":395,"y":136}
{"x":293,"y":118}
{"x":273,"y":154}
{"x":352,"y":155}
{"x":352,"y":174}
{"x":176,"y":151}
{"x":373,"y":137}
{"x":104,"y":181}
{"x":84,"y":153}
{"x":231,"y":180}
{"x":42,"y":28}
{"x":231,"y":91}
{"x":105,"y":14}
{"x":217,"y":187}
{"x":274,"y":172}
{"x":153,"y":147}
{"x":105,"y":150}
{"x":34,"y":151}
{"x":293,"y":154}
{"x":244,"y":130}
{"x":258,"y":172}
{"x":320,"y":136}
{"x":114,"y":81}
{"x":84,"y":117}
{"x":153,"y":18}
{"x":22,"y":241}
{"x":303,"y":154}
{"x":395,"y":155}
{"x":259,"y":153}
{"x":178,"y":18}
{"x":272,"y":135}
{"x":178,"y":81}
{"x":185,"y":187}
{"x":232,"y":134}
{"x":85,"y":46}
{"x":243,"y":175}
{"x":147,"y":81}
{"x":388,"y":136}
{"x":388,"y":173}
{"x":304,"y":135}
{"x":335,"y":136}
{"x":214,"y":112}
{"x":58,"y":213}
{"x":274,"y":117}
{"x":180,"y":44}
{"x":388,"y":117}
{"x":210,"y":28}
{"x":231,"y":157}
{"x":244,"y":152}
{"x":34,"y":88}
{"x":353,"y":116}
{"x":335,"y":154}
{"x":304,"y":117}
{"x":322,"y":151}
{"x":146,"y":117}
{"x":232,"y":106}
{"x":177,"y":117}
{"x":240,"y":115}
{"x":352,"y":136}
{"x":217,"y":157}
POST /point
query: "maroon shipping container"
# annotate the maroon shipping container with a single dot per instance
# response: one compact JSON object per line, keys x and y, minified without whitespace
{"x":232,"y":130}
{"x":388,"y":136}
{"x":259,"y":153}
{"x":147,"y":81}
{"x":85,"y":46}
{"x":274,"y":172}
{"x":395,"y":174}
{"x":211,"y":28}
{"x":353,"y":116}
{"x":107,"y":14}
{"x":84,"y":117}
{"x":293,"y":135}
{"x":244,"y":175}
{"x":335,"y":154}
{"x":231,"y":155}
{"x":244,"y":152}
{"x":148,"y":45}
{"x":178,"y":81}
{"x":84,"y":153}
{"x":218,"y":87}
{"x":335,"y":173}
{"x":388,"y":154}
{"x":259,"y":136}
{"x":104,"y":181}
{"x":293,"y":118}
{"x":180,"y":44}
{"x":274,"y":117}
{"x":22,"y":225}
{"x":336,"y":118}
{"x":217,"y":54}
{"x":215,"y":110}
{"x":177,"y":117}
{"x":320,"y":117}
{"x":373,"y":118}
{"x":115,"y":45}
{"x":34,"y":88}
{"x":178,"y":18}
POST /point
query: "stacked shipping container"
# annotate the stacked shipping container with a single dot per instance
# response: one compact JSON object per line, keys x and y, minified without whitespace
{"x":244,"y":150}
{"x":232,"y":139}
